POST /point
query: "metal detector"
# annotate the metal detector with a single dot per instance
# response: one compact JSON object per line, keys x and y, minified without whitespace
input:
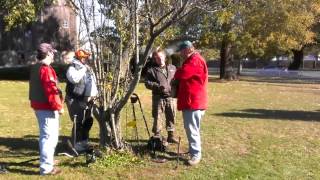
{"x":178,"y":153}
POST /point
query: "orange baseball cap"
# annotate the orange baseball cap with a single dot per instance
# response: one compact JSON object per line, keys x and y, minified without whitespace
{"x":82,"y":54}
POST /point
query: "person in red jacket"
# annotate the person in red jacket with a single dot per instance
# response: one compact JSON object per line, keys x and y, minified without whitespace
{"x":46,"y":100}
{"x":192,"y":96}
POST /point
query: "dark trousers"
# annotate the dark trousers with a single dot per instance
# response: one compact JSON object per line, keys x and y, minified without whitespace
{"x":84,"y":119}
{"x":163,"y":107}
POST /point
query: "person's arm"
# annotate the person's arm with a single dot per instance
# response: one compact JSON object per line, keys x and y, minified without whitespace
{"x":150,"y":81}
{"x":74,"y":75}
{"x":49,"y":84}
{"x":186,"y":72}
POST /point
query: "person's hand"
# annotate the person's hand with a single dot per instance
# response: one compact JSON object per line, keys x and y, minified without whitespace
{"x":88,"y":67}
{"x":61,"y":111}
{"x":163,"y":89}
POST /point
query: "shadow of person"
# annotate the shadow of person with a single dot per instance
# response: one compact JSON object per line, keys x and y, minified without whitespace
{"x":20,"y":167}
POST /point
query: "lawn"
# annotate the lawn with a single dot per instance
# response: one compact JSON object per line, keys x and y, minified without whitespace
{"x":253,"y":129}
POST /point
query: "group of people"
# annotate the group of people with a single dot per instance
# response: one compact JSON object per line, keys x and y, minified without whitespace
{"x":189,"y":82}
{"x":189,"y":85}
{"x":47,"y":101}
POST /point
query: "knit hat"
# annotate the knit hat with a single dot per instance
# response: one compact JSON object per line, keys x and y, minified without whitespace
{"x":183,"y":45}
{"x":82,"y":54}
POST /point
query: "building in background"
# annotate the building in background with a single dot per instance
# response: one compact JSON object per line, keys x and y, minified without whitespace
{"x":56,"y":24}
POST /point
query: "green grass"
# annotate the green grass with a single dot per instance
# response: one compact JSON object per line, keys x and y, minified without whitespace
{"x":252,"y":130}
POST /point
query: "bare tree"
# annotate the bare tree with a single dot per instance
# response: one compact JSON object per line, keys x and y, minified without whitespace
{"x":116,"y":31}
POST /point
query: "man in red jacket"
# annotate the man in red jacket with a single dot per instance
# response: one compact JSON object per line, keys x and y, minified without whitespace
{"x":46,"y":100}
{"x":192,"y":96}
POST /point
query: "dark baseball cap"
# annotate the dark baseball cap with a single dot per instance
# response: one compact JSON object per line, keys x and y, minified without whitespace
{"x":45,"y":48}
{"x":183,"y":45}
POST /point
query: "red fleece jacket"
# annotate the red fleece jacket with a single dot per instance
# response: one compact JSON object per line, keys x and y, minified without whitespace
{"x":49,"y":81}
{"x":193,"y":81}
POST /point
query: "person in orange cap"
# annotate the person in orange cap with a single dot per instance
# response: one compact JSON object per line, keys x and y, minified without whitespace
{"x":81,"y":90}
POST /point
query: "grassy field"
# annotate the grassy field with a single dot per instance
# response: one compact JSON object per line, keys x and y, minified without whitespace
{"x":253,"y":129}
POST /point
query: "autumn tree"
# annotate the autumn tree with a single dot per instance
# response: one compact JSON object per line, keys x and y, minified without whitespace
{"x":286,"y":26}
{"x":19,"y":13}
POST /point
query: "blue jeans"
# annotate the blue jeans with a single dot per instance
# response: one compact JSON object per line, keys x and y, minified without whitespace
{"x":192,"y":120}
{"x":48,"y":139}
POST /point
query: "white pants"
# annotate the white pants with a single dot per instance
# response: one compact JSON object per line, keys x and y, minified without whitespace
{"x":48,"y":138}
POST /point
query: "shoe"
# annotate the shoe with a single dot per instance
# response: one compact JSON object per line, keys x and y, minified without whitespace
{"x":171,"y":139}
{"x":54,"y":171}
{"x":194,"y":161}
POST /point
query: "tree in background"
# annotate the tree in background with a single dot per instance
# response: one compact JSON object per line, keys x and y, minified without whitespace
{"x":19,"y":13}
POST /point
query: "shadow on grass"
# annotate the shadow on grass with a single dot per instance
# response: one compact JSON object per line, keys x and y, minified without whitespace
{"x":18,"y":149}
{"x":14,"y":150}
{"x":140,"y":148}
{"x":18,"y":144}
{"x":274,"y":114}
{"x":20,"y":167}
{"x":284,"y":80}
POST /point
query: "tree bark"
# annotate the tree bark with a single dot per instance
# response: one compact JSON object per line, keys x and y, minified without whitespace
{"x":226,"y":71}
{"x":297,"y":59}
{"x":104,"y":127}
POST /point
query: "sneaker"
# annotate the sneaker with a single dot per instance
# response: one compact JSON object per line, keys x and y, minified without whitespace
{"x":194,"y":161}
{"x":54,"y":171}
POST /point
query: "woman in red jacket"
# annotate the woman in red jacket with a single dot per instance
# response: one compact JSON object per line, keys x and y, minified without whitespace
{"x":46,"y":101}
{"x":192,"y":96}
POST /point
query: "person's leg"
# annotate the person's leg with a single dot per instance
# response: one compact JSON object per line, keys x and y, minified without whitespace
{"x":170,"y":114}
{"x":87,"y":124}
{"x":192,"y":120}
{"x":157,"y":110}
{"x":48,"y":138}
{"x":75,"y":110}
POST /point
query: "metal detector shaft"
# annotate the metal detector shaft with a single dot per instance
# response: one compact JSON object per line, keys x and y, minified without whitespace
{"x":84,"y":115}
{"x":178,"y":153}
{"x":74,"y":130}
{"x":144,"y":118}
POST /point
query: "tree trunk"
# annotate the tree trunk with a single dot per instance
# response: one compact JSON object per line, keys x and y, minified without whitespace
{"x":297,"y":59}
{"x":239,"y":68}
{"x":104,"y":127}
{"x":226,"y":71}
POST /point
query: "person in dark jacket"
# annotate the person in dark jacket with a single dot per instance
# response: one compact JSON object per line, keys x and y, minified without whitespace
{"x":81,"y":90}
{"x":192,"y":96}
{"x":158,"y":79}
{"x":46,"y":100}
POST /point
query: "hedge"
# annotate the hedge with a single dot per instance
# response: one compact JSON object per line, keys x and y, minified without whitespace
{"x":22,"y":72}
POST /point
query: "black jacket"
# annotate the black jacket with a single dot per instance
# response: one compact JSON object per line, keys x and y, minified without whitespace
{"x":155,"y":78}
